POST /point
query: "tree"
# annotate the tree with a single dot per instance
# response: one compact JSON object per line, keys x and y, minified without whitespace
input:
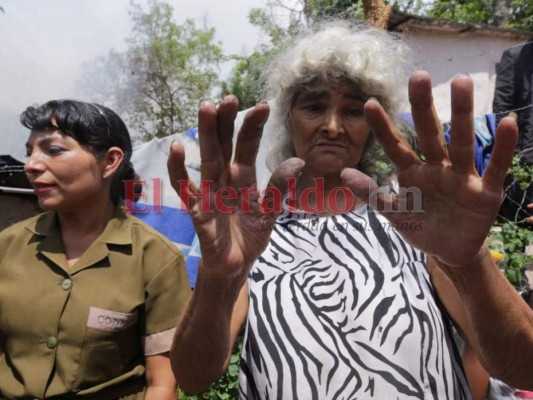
{"x":516,"y":14}
{"x":157,"y":83}
{"x":498,"y":13}
{"x":320,"y":9}
{"x":107,"y":80}
{"x":245,"y":80}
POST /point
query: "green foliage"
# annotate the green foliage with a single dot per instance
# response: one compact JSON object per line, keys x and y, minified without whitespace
{"x":467,"y":11}
{"x":326,"y":9}
{"x":157,"y":83}
{"x":227,"y":387}
{"x":521,"y":173}
{"x":522,"y":12}
{"x":512,"y":237}
{"x":172,"y":67}
{"x":516,"y":14}
{"x":245,"y":80}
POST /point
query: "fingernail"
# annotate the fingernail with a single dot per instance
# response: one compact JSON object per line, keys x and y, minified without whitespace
{"x":263,"y":102}
{"x":513,"y":115}
{"x":201,"y":102}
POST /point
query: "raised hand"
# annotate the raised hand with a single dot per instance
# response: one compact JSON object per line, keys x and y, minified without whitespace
{"x":458,"y":206}
{"x":232,"y":227}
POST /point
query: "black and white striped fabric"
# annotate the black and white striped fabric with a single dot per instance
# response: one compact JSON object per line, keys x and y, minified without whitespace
{"x":342,"y":308}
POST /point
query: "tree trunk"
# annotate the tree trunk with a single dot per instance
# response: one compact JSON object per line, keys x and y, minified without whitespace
{"x":377,"y":13}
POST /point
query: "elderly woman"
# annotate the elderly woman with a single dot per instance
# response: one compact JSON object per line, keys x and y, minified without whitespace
{"x":89,"y":295}
{"x":339,"y":302}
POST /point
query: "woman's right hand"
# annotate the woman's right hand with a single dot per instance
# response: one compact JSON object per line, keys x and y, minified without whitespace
{"x":232,"y":227}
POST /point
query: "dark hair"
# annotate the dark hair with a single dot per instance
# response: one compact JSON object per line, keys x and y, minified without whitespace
{"x":95,"y":127}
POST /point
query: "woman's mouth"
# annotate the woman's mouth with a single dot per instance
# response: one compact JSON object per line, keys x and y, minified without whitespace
{"x":41,"y":188}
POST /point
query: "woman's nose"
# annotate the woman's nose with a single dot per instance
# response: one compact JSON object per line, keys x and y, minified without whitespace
{"x":33,"y":164}
{"x":334,"y":125}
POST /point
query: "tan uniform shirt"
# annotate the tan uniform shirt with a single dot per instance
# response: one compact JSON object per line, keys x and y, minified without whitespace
{"x":84,"y":332}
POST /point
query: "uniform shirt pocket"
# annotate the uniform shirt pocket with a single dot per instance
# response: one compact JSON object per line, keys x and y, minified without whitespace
{"x":103,"y":356}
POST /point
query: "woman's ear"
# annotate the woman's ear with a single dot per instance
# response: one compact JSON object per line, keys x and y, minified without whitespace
{"x":111,"y":162}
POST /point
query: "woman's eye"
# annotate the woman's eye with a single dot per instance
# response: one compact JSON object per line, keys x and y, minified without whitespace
{"x":355,"y":112}
{"x":313,"y":108}
{"x":54,"y":150}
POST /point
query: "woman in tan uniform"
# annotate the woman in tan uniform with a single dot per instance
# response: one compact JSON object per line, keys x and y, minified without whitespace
{"x":89,"y":295}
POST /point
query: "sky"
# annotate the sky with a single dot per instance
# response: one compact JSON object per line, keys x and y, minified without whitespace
{"x":44,"y":44}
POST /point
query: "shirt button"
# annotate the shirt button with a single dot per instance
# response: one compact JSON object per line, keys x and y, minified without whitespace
{"x":66,"y":284}
{"x":51,"y":342}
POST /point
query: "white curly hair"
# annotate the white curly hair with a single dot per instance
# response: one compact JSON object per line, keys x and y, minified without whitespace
{"x":378,"y":63}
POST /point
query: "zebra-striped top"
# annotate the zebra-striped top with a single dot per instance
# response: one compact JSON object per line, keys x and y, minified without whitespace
{"x":341,"y":307}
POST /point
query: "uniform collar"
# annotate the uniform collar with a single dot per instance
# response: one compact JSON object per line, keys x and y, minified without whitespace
{"x":118,"y":229}
{"x":117,"y":232}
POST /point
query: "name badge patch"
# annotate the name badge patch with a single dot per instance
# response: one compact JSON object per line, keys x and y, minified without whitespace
{"x":109,"y":320}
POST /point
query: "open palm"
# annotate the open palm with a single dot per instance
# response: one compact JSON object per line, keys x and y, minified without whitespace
{"x":457,"y":206}
{"x":232,"y":228}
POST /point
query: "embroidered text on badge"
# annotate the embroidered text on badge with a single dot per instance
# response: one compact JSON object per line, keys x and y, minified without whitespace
{"x":109,"y":320}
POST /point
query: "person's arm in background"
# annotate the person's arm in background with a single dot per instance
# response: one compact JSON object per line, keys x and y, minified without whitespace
{"x":160,"y":381}
{"x":502,"y":323}
{"x":504,"y":90}
{"x":167,"y":292}
{"x":231,"y":238}
{"x":207,"y":333}
{"x":476,"y":374}
{"x":478,"y":377}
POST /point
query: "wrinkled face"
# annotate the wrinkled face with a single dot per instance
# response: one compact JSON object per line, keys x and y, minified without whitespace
{"x":65,"y":175}
{"x":329,"y":130}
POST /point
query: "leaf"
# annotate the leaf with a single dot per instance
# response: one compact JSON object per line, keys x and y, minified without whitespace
{"x":156,"y":83}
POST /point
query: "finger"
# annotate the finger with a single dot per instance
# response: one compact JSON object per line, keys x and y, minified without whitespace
{"x":210,"y":151}
{"x":502,"y":155}
{"x":281,"y":183}
{"x":394,"y":143}
{"x":227,"y":112}
{"x":530,"y":205}
{"x":250,"y":134}
{"x":427,"y":124}
{"x":179,"y":178}
{"x":462,"y":139}
{"x":368,"y":191}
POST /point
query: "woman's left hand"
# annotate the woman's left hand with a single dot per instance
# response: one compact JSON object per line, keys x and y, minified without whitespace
{"x":449,"y":208}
